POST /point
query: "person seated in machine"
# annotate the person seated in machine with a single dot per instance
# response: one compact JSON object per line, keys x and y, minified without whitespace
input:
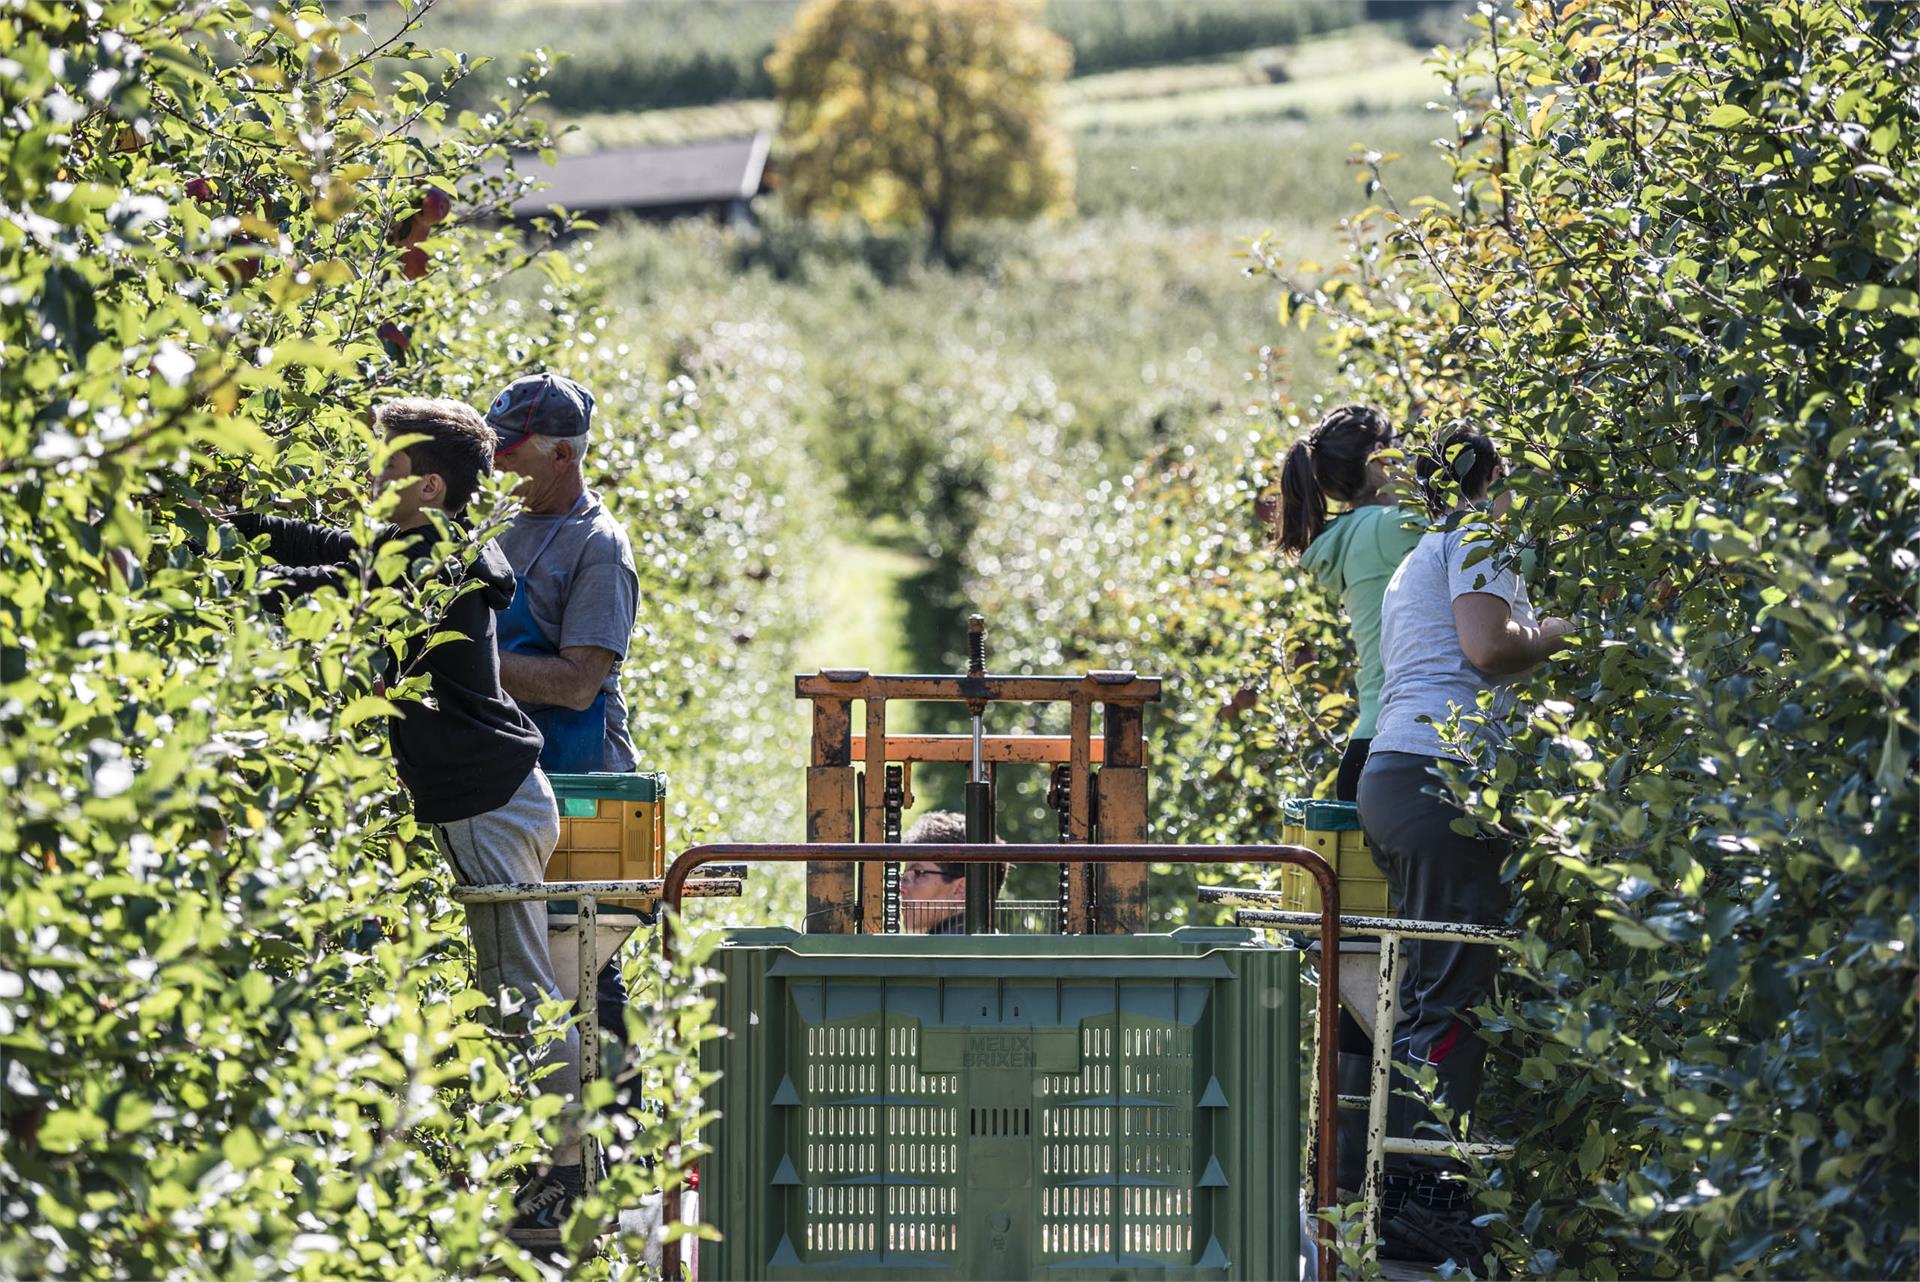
{"x":933,"y":893}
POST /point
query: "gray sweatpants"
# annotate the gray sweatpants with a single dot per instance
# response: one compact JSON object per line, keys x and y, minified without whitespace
{"x":1433,"y":874}
{"x":513,"y":844}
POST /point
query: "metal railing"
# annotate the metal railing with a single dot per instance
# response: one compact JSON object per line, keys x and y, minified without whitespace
{"x":1389,"y":931}
{"x":725,"y":882}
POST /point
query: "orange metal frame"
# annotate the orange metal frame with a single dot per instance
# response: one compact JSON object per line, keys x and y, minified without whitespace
{"x":845,"y":800}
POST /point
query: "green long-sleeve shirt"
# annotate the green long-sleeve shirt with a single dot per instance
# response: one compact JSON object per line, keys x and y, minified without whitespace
{"x":1354,"y":557}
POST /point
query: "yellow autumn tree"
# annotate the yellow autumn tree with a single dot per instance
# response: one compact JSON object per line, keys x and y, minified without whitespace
{"x":931,"y":112}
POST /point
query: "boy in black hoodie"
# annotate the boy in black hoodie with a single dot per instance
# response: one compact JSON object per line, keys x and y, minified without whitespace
{"x":469,"y":757}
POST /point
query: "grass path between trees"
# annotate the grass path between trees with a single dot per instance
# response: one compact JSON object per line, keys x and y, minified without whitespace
{"x":887,"y":610}
{"x":865,"y":611}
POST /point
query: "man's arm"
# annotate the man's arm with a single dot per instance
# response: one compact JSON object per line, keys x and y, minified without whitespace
{"x":594,"y":631}
{"x":569,"y":679}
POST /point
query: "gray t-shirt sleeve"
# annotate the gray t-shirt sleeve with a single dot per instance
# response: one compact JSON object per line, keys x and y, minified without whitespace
{"x":1491,"y":571}
{"x":601,"y":605}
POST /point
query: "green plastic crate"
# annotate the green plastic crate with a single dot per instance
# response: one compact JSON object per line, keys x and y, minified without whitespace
{"x":1004,"y":1107}
{"x":580,"y":794}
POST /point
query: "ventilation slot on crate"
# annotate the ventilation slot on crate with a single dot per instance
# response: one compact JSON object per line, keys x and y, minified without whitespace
{"x":876,"y":1131}
{"x":1000,"y":1121}
{"x":1076,"y":1221}
{"x":922,"y":1217}
{"x":840,"y":1217}
{"x":1125,"y":1120}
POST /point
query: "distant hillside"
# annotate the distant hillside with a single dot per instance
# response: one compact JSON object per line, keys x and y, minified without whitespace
{"x":630,"y":55}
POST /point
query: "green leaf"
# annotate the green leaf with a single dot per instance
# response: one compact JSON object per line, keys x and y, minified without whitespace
{"x":1867,"y":298}
{"x":68,"y":1130}
{"x":1631,"y":932}
{"x":242,"y":1148}
{"x":256,"y":990}
{"x":365,"y":707}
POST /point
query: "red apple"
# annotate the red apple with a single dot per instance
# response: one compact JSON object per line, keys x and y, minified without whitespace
{"x":413,"y":228}
{"x":239,"y":271}
{"x":201,"y":189}
{"x":414,"y":263}
{"x":396,"y":340}
{"x":1243,"y":698}
{"x":434,"y":206}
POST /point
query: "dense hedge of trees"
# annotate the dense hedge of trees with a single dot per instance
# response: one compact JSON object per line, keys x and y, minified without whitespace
{"x":236,"y":1030}
{"x":1677,"y":284}
{"x":646,"y":54}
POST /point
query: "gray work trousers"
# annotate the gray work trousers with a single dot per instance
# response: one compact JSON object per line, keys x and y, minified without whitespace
{"x":1433,"y":874}
{"x":515,"y":970}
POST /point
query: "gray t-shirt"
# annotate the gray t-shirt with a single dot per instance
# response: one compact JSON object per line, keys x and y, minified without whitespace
{"x":1426,"y":674}
{"x":582,"y":591}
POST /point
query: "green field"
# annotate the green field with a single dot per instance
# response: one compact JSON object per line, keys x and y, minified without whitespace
{"x":1177,"y":167}
{"x":863,"y":611}
{"x":1361,"y":70}
{"x":630,"y":55}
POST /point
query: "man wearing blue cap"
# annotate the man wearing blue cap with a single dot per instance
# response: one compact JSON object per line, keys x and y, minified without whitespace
{"x":576,"y":597}
{"x":562,"y":639}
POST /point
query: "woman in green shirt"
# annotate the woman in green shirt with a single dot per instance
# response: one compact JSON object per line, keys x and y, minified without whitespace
{"x":1352,"y":554}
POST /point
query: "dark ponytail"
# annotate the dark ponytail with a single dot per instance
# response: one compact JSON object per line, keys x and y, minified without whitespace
{"x":1329,"y":462}
{"x":1459,"y":467}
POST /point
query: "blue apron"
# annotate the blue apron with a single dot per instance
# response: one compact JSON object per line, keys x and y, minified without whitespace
{"x":576,"y":741}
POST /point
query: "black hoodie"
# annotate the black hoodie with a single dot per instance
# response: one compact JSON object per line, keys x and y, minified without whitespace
{"x":471,"y":750}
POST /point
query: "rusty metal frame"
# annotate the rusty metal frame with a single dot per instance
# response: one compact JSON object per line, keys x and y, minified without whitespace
{"x":1022,"y":749}
{"x":844,"y":896}
{"x":1101,"y":686}
{"x":1135,"y":856}
{"x":1391,"y":932}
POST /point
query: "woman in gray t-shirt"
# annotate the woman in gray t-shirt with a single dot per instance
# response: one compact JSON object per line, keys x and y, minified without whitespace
{"x":1455,"y":623}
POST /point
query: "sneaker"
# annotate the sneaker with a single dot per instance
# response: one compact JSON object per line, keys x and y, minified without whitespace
{"x":542,"y":1205}
{"x":1414,"y":1234}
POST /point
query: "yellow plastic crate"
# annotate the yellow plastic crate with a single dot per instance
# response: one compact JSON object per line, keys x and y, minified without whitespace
{"x":613,"y":827}
{"x":1331,"y":829}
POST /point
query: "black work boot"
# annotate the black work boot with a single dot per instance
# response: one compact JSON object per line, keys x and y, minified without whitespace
{"x":543,"y":1203}
{"x":1426,"y":1219}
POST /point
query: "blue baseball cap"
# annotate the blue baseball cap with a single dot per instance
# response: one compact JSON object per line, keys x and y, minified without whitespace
{"x":546,"y":404}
